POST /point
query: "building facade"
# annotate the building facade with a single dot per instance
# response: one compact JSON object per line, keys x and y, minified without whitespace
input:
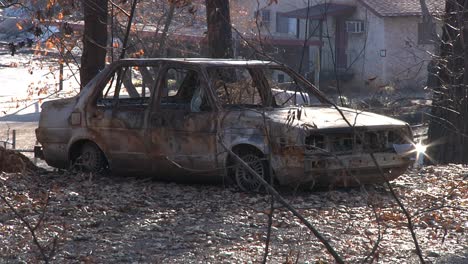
{"x":362,"y":44}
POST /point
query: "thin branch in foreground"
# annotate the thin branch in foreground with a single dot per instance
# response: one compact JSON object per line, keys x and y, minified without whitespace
{"x":270,"y":223}
{"x":281,"y":200}
{"x":377,"y":242}
{"x":403,"y":209}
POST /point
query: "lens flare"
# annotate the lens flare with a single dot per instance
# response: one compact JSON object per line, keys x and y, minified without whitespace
{"x":420,"y":148}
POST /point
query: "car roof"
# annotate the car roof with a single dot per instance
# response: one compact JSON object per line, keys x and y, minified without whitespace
{"x":205,"y":61}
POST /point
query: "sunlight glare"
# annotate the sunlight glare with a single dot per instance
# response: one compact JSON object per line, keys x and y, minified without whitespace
{"x":420,"y":148}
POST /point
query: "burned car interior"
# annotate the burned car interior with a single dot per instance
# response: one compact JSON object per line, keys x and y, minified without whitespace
{"x":170,"y":118}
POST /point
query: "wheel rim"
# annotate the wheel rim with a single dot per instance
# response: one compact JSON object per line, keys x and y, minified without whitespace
{"x":245,"y":180}
{"x":90,"y":158}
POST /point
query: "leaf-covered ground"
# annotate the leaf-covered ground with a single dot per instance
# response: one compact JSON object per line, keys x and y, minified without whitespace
{"x":97,"y":219}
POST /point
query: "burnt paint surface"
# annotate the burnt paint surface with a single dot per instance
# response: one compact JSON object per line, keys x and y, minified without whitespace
{"x":122,"y":132}
{"x":183,"y":143}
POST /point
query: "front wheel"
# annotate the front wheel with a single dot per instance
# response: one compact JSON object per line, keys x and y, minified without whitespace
{"x":245,"y":180}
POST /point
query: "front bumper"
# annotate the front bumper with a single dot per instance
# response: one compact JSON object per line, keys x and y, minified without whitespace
{"x":343,"y":170}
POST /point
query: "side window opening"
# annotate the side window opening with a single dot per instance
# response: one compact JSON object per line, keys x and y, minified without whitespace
{"x":287,"y":90}
{"x":183,"y":89}
{"x":129,"y":86}
{"x":235,"y":86}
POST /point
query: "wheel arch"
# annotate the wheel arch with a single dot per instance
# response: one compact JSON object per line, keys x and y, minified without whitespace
{"x":230,"y":161}
{"x":75,"y":146}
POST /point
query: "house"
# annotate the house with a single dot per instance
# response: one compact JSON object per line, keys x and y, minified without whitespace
{"x":365,"y":44}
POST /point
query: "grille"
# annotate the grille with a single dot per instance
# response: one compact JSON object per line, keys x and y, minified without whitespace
{"x":368,"y":141}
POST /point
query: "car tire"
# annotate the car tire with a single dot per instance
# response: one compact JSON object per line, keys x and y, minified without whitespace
{"x":91,"y":158}
{"x":244,"y":179}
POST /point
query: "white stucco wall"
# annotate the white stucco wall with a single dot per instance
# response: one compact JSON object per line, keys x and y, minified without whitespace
{"x":364,"y":58}
{"x":406,"y":61}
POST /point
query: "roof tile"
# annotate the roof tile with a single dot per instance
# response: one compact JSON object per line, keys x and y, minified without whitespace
{"x":403,"y":7}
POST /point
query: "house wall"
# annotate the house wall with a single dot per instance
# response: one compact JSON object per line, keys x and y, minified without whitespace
{"x":406,"y":61}
{"x":364,"y":58}
{"x":369,"y":66}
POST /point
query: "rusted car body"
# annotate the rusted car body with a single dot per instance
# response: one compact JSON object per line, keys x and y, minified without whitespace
{"x":173,"y":118}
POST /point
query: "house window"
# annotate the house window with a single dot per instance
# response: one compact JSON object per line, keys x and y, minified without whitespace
{"x":314,"y":28}
{"x":280,"y":78}
{"x":355,"y":26}
{"x":264,"y":17}
{"x":286,"y":24}
{"x":425,"y":33}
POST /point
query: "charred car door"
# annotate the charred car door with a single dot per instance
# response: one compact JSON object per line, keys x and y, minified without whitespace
{"x":119,"y":117}
{"x":182,"y":125}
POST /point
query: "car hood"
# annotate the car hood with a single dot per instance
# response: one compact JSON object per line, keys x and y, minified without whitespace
{"x":324,"y":117}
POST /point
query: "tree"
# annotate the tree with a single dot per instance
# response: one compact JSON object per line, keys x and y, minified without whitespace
{"x":94,"y":39}
{"x":219,"y":32}
{"x":449,"y":125}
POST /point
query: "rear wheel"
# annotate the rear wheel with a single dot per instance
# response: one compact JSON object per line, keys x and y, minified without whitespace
{"x":91,"y":158}
{"x":245,"y":180}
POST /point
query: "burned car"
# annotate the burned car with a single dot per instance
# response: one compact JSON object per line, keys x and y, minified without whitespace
{"x":176,"y":119}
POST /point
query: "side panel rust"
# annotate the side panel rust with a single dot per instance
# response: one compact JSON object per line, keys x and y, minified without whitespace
{"x":120,"y":132}
{"x":182,"y":143}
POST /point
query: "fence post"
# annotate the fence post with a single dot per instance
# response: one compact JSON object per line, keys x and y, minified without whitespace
{"x":13,"y":142}
{"x":61,"y":75}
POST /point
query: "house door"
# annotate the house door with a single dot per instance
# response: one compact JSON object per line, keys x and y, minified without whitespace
{"x":341,"y":43}
{"x":182,"y":128}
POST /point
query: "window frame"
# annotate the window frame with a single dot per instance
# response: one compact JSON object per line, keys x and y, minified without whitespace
{"x":358,"y":26}
{"x":115,"y":101}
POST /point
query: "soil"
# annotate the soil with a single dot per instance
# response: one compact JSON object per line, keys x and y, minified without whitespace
{"x":97,"y":219}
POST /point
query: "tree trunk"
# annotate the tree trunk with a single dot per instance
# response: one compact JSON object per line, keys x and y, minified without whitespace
{"x":449,"y":123}
{"x":94,"y":39}
{"x":219,"y":29}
